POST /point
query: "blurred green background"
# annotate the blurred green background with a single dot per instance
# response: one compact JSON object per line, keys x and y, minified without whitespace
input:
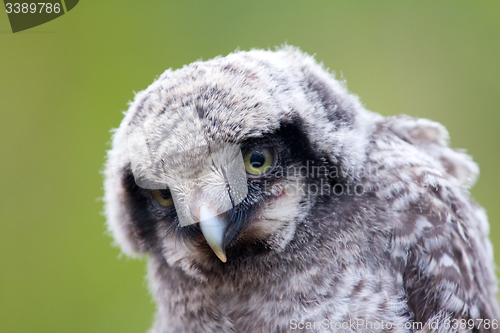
{"x":64,"y":85}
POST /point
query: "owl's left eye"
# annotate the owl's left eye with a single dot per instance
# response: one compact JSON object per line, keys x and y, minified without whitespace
{"x":259,"y":161}
{"x":162,"y":197}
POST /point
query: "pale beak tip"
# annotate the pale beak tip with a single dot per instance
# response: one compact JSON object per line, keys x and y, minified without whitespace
{"x":219,"y":251}
{"x":221,"y":256}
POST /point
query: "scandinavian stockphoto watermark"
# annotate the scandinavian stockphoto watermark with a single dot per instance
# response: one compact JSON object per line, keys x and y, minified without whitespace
{"x":190,"y":168}
{"x":177,"y":156}
{"x":28,"y":14}
{"x":310,"y":180}
{"x":357,"y":324}
{"x":194,"y":169}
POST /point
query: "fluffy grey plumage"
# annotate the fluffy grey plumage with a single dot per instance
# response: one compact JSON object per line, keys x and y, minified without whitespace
{"x":358,"y":217}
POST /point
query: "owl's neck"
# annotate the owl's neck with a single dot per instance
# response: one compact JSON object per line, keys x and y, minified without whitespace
{"x":269,"y":298}
{"x":190,"y":301}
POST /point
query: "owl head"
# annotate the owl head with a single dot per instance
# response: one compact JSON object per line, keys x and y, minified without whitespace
{"x":223,"y":159}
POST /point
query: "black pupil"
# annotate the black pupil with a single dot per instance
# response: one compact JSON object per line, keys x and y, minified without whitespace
{"x":257,"y":159}
{"x":165,"y":194}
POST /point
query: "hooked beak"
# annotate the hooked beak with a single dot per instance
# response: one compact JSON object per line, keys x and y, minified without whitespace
{"x":213,"y":228}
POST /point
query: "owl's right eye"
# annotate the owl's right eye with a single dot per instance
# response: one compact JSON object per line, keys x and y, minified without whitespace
{"x":162,"y":197}
{"x":259,"y":161}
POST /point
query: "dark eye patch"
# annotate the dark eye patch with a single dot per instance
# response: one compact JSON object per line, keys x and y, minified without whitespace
{"x":291,"y":146}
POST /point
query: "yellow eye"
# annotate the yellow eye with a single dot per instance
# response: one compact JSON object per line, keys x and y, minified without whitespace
{"x":259,"y":162}
{"x":163,"y":198}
